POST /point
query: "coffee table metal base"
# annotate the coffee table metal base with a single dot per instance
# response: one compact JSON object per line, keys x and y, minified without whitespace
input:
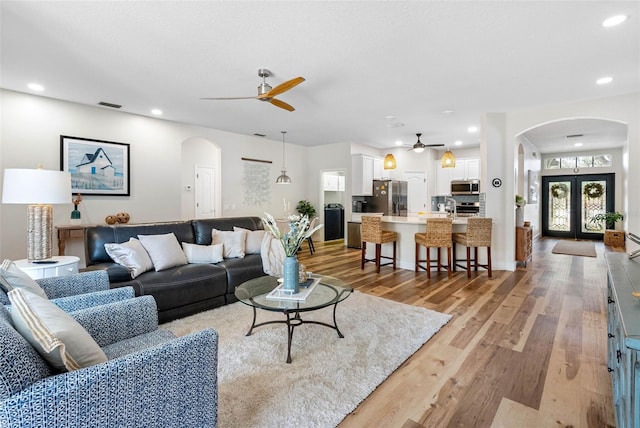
{"x":293,"y":322}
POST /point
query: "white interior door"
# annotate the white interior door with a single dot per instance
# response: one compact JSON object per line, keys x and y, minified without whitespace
{"x":416,"y":192}
{"x":205,"y":192}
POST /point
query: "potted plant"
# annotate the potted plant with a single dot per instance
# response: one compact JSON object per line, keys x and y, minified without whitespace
{"x":305,"y":208}
{"x":520,"y":203}
{"x":610,"y":218}
{"x":613,"y":238}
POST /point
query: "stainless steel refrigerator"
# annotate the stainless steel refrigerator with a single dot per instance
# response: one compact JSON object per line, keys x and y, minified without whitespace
{"x":389,"y":197}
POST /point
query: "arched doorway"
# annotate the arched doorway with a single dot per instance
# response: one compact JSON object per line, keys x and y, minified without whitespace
{"x":580,"y":162}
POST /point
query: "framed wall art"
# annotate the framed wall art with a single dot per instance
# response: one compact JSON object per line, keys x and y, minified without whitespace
{"x":97,"y":167}
{"x":534,"y":185}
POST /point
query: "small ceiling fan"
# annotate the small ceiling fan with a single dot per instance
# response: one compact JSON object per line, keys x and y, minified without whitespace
{"x":419,"y":146}
{"x":267,"y":93}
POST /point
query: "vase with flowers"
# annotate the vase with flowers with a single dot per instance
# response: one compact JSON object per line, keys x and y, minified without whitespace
{"x":291,"y":240}
{"x":75,"y":214}
{"x":520,"y":203}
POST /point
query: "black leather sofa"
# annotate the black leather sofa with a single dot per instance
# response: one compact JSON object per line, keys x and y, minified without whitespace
{"x":181,"y":290}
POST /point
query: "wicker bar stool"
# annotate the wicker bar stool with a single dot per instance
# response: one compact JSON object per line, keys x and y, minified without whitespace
{"x":371,"y":231}
{"x":438,"y":235}
{"x":478,"y":235}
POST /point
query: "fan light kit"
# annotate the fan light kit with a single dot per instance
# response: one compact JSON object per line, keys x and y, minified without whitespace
{"x":419,"y":147}
{"x":267,"y":93}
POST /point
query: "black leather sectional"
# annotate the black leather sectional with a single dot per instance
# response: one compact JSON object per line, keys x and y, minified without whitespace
{"x":181,"y":290}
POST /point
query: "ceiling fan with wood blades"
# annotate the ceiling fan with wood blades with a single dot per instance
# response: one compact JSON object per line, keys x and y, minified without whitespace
{"x":267,"y":93}
{"x":419,"y":146}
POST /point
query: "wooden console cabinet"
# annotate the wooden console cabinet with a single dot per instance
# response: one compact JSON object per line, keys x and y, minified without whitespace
{"x":524,"y":244}
{"x":623,"y":313}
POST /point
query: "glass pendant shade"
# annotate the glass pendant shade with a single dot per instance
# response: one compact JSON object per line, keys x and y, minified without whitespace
{"x":283,"y":178}
{"x":389,"y":161}
{"x":448,"y":160}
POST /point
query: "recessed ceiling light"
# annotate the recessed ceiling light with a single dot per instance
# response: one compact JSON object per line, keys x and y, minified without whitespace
{"x":448,"y":112}
{"x":156,"y":111}
{"x":35,"y":87}
{"x":604,"y":80}
{"x":389,"y":117}
{"x":577,"y":145}
{"x":458,"y":143}
{"x":398,"y":142}
{"x":473,"y":129}
{"x":614,"y":20}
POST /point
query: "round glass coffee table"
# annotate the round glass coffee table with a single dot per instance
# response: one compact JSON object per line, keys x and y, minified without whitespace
{"x":328,"y":291}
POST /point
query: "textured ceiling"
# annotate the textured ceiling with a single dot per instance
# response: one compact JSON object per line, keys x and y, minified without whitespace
{"x":363,"y":61}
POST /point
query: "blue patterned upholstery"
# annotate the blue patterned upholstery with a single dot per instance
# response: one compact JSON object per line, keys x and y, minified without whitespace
{"x":152,"y":379}
{"x":79,"y":291}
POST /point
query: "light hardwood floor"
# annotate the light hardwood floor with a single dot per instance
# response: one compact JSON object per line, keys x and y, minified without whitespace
{"x":524,"y":348}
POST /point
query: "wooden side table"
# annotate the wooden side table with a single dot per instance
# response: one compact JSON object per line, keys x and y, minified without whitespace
{"x":524,"y":244}
{"x":69,"y":231}
{"x":64,"y":266}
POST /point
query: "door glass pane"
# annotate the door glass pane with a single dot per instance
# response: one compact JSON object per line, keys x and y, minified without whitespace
{"x":560,"y":206}
{"x":593,"y":200}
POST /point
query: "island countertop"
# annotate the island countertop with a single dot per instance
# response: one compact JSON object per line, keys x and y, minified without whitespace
{"x":417,"y":220}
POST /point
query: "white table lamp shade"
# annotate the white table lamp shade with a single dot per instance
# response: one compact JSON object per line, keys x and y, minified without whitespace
{"x":36,"y":186}
{"x":39,"y":188}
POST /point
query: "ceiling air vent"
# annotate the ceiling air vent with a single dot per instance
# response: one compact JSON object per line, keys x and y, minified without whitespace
{"x":575,"y":136}
{"x":259,"y":135}
{"x":102,"y":103}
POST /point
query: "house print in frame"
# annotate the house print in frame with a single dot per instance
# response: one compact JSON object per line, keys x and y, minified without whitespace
{"x":97,"y":167}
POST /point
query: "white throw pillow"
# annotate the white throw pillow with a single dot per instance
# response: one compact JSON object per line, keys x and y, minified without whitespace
{"x":131,"y":255}
{"x":233,"y":242}
{"x":253,"y":240}
{"x":11,"y":277}
{"x":164,"y":250}
{"x":203,"y":253}
{"x":60,"y":339}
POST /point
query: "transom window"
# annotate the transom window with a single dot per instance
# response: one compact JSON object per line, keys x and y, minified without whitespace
{"x":595,"y":161}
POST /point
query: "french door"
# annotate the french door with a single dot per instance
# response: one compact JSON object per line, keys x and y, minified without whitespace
{"x":570,"y":201}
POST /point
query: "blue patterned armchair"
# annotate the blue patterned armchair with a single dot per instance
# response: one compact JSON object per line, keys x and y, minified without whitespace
{"x":151,"y":378}
{"x":79,"y":291}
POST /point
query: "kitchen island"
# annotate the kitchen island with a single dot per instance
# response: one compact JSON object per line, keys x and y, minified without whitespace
{"x":407,"y":227}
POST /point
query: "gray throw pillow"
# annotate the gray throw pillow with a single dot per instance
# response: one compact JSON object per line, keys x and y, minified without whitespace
{"x":60,"y":339}
{"x":131,"y":255}
{"x":164,"y":250}
{"x":11,"y":277}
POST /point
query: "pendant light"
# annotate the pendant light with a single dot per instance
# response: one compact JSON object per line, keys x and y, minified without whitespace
{"x":448,"y":159}
{"x":389,"y":161}
{"x":283,"y":178}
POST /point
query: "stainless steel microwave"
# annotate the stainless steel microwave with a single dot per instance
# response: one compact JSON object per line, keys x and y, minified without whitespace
{"x":465,"y":187}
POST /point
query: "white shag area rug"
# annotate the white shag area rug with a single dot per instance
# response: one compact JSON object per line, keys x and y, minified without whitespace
{"x":328,"y":376}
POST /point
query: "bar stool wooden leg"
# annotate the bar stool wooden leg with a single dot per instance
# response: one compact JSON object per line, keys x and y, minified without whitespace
{"x":378,"y":254}
{"x":394,"y":255}
{"x":468,"y":262}
{"x":453,"y":250}
{"x":364,"y":251}
{"x":417,"y":256}
{"x":428,"y":262}
{"x":489,"y":260}
{"x":475,"y":258}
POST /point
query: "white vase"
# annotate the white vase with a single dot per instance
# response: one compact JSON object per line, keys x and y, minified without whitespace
{"x":519,"y":217}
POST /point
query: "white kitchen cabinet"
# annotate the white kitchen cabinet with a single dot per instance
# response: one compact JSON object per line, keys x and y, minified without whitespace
{"x":333,"y":183}
{"x":365,"y":168}
{"x":465,"y":169}
{"x":330,"y":183}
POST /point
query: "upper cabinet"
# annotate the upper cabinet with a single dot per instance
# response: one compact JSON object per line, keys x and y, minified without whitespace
{"x":365,"y":169}
{"x":333,"y":183}
{"x":465,"y":169}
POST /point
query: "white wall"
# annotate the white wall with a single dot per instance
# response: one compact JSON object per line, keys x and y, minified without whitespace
{"x":30,"y":131}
